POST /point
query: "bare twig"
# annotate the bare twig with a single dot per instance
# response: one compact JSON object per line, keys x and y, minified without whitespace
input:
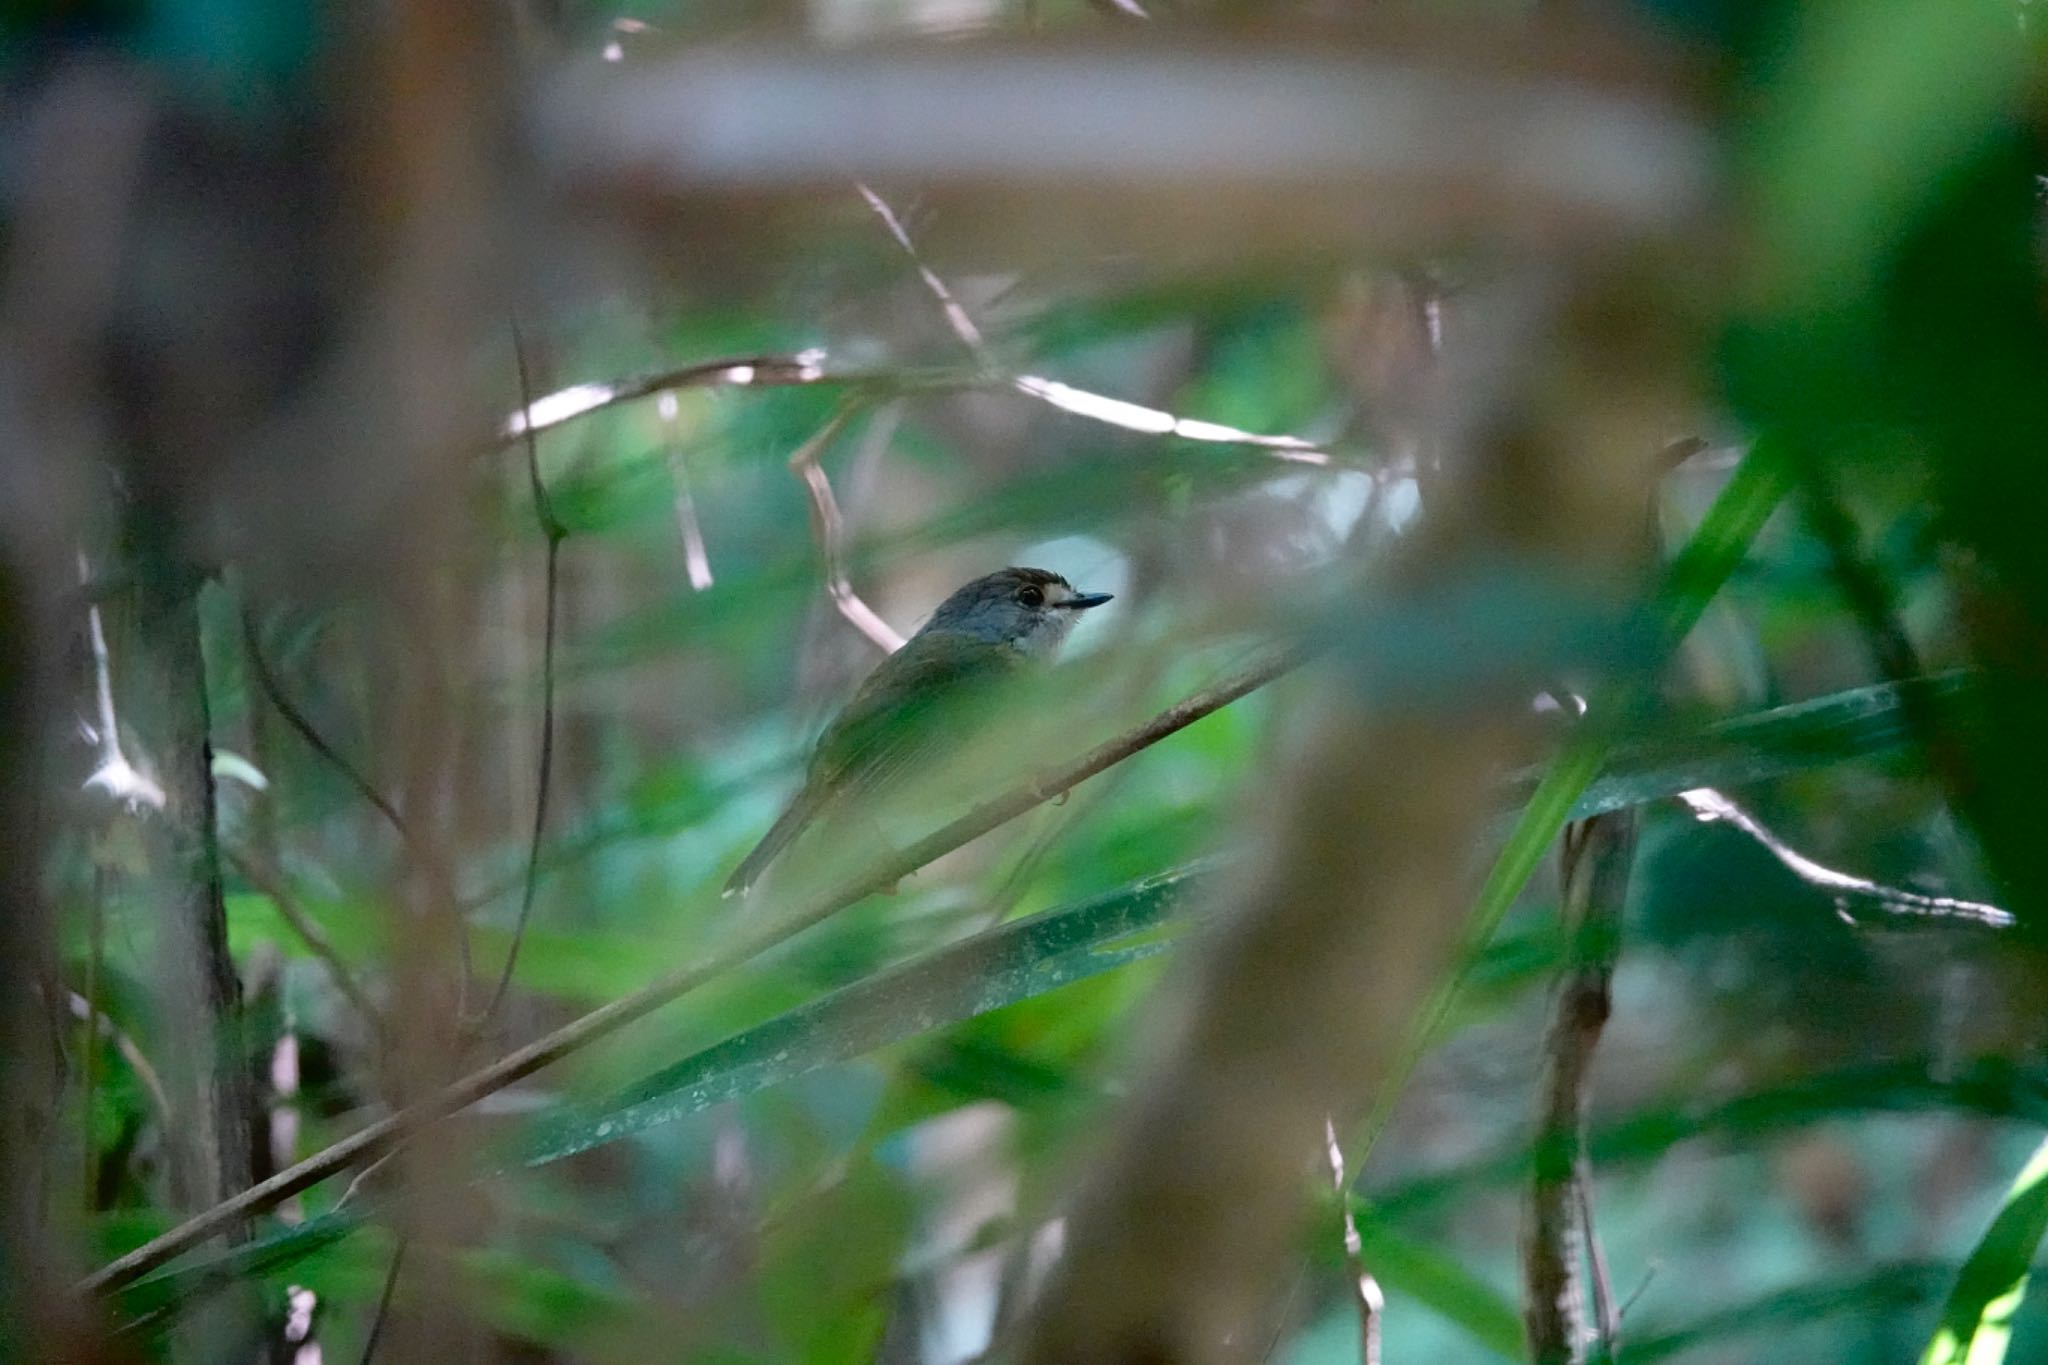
{"x":696,"y":559}
{"x":744,"y":371}
{"x":759,"y":933}
{"x":956,"y":316}
{"x":830,"y":528}
{"x":1606,"y":1311}
{"x":1371,"y":1302}
{"x":1097,"y":407}
{"x":271,"y":883}
{"x":809,"y":367}
{"x":273,"y":689}
{"x":1846,"y":891}
{"x":1597,"y":857}
{"x":86,"y":1012}
{"x":555,"y":533}
{"x":114,"y":775}
{"x":384,"y":1297}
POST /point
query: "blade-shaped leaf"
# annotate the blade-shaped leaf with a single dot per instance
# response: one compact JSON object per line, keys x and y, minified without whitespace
{"x":1013,"y":962}
{"x":1976,"y":1323}
{"x":1028,"y":957}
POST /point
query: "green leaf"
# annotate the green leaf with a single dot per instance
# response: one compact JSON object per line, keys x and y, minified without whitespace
{"x":1976,"y":1323}
{"x":1011,"y":963}
{"x":1993,"y":1087}
{"x":1029,"y":957}
{"x":172,"y":1290}
{"x":1438,"y":1282}
{"x":1884,"y":1292}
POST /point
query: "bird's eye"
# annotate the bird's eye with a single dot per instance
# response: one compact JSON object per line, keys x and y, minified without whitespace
{"x":1032,"y":597}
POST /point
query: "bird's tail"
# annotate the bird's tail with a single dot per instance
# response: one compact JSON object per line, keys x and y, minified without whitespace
{"x":786,"y":827}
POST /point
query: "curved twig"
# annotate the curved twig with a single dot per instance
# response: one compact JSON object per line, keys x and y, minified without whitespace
{"x":265,"y":880}
{"x":273,"y":689}
{"x":552,"y":529}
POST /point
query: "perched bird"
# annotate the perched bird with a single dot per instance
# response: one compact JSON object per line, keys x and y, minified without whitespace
{"x":988,"y":630}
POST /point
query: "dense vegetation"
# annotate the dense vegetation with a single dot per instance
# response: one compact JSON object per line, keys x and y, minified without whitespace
{"x":1541,"y":858}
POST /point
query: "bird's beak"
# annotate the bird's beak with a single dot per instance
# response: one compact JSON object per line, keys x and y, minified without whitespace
{"x":1081,"y":601}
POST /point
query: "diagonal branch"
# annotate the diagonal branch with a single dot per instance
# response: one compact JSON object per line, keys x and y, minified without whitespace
{"x":267,"y":881}
{"x":956,"y":316}
{"x":1846,"y":890}
{"x":1097,"y":407}
{"x":760,"y":934}
{"x":273,"y":689}
{"x":830,"y":528}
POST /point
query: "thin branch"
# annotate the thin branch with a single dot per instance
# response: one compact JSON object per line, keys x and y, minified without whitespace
{"x":1845,"y":890}
{"x":1597,"y":856}
{"x":273,"y":689}
{"x":757,"y":934}
{"x":1606,"y":1312}
{"x":555,"y":533}
{"x":271,"y":884}
{"x":744,"y":371}
{"x":376,"y":1334}
{"x":956,"y":316}
{"x":114,"y":774}
{"x":808,"y":368}
{"x":1097,"y":407}
{"x":830,"y":528}
{"x":100,"y":1025}
{"x":1371,"y":1302}
{"x":696,"y":560}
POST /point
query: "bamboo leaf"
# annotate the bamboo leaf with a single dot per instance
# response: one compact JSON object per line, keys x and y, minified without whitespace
{"x":1029,"y":957}
{"x":1013,"y":962}
{"x":1976,"y":1323}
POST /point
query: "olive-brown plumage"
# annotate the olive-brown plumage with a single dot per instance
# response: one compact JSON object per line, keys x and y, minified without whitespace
{"x":1011,"y":619}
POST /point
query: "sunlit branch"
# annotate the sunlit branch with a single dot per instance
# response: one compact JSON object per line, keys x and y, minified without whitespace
{"x":1097,"y":407}
{"x":1846,"y":891}
{"x":956,"y":316}
{"x":114,"y":775}
{"x":696,"y":558}
{"x":1365,"y":1288}
{"x":830,"y":528}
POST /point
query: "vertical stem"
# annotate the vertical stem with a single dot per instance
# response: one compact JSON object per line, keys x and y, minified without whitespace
{"x":162,"y":683}
{"x":1597,"y":857}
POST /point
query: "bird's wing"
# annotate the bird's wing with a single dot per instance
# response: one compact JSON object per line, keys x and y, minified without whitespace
{"x":899,"y":714}
{"x":904,"y":710}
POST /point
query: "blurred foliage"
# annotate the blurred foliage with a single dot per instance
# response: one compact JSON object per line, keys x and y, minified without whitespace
{"x":1806,"y":1127}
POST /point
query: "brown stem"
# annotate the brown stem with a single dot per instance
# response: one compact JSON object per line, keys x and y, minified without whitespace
{"x":1597,"y":857}
{"x":555,"y":533}
{"x":267,"y":880}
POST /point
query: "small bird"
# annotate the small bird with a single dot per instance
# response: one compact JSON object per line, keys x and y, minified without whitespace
{"x":988,"y":630}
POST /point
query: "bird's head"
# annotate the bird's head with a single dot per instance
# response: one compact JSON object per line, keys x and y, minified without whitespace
{"x":1029,"y":610}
